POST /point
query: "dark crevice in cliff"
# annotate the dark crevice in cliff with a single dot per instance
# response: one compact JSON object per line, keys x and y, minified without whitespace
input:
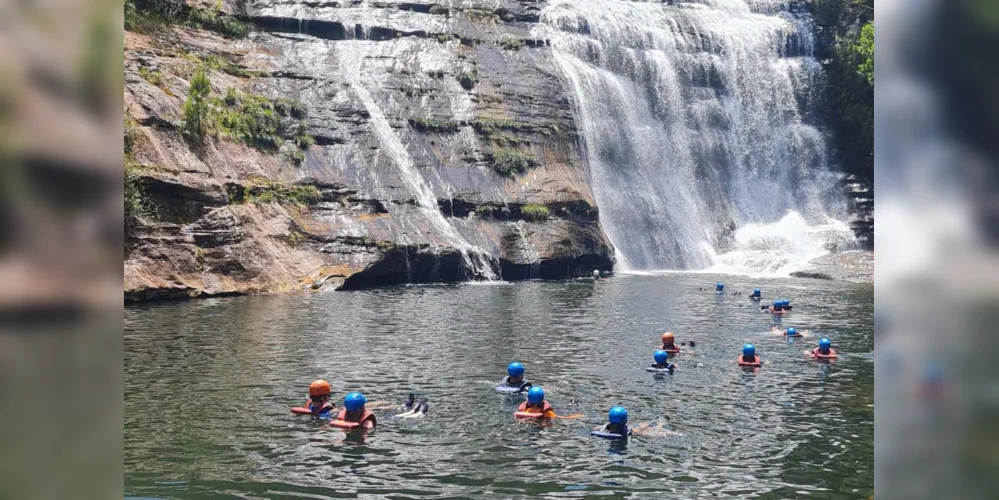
{"x":576,"y":210}
{"x":411,"y":264}
{"x":555,"y":269}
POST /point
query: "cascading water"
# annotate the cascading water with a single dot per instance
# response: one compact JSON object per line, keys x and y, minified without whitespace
{"x":475,"y":259}
{"x":695,"y":117}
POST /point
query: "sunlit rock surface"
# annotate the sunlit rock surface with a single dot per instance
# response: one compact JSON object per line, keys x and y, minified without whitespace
{"x":408,"y":103}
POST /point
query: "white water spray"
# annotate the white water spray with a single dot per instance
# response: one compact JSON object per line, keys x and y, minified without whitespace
{"x":697,"y":131}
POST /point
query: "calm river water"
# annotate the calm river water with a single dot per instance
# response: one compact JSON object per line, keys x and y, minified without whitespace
{"x":208,"y":385}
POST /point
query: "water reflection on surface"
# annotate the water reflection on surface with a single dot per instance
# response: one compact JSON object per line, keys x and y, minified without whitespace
{"x":208,"y":385}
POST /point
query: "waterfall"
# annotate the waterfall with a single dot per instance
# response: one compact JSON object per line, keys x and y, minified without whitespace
{"x":475,"y":259}
{"x":696,"y":121}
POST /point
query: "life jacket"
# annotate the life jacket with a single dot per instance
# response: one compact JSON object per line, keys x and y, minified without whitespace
{"x":672,"y":349}
{"x":755,"y":361}
{"x":326,"y":408}
{"x":664,"y":366}
{"x":523,"y":412}
{"x":341,"y":421}
{"x":524,"y":384}
{"x":819,"y":355}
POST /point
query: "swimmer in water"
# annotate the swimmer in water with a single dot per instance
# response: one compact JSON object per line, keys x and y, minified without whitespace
{"x":670,"y":345}
{"x":749,"y":356}
{"x":756,"y":295}
{"x":617,"y":426}
{"x":719,"y":288}
{"x":355,"y":415}
{"x":414,"y":409}
{"x":790,"y":332}
{"x":319,"y":399}
{"x":536,"y":405}
{"x":515,"y":377}
{"x":824,"y":349}
{"x":662,"y":361}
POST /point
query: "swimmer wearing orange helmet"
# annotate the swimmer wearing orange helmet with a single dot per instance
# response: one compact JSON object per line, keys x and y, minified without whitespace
{"x":319,"y":398}
{"x":671,"y":346}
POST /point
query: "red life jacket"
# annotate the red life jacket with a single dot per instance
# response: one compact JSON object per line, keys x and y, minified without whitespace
{"x":817,"y":354}
{"x":341,"y":421}
{"x":524,"y":412}
{"x":755,"y":362}
{"x":672,"y":349}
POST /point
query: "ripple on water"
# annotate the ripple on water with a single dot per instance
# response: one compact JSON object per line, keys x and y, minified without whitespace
{"x":208,"y":385}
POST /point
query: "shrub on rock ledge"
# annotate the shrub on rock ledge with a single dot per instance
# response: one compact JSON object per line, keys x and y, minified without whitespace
{"x":509,"y":162}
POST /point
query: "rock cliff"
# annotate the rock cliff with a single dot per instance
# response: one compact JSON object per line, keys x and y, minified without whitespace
{"x":409,"y":142}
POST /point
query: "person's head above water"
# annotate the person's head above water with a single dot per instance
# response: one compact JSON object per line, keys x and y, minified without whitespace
{"x":792,"y":332}
{"x":515,"y":370}
{"x":354,"y":401}
{"x":319,"y":388}
{"x":719,"y":286}
{"x":756,"y":291}
{"x":596,"y":272}
{"x":319,"y":391}
{"x":749,"y":350}
{"x":668,"y":338}
{"x":824,"y":346}
{"x":536,"y":396}
{"x":661,"y":356}
{"x":617,"y":415}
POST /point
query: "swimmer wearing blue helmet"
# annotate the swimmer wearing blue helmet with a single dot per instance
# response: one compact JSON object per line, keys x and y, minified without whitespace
{"x":719,"y":287}
{"x":616,"y":426}
{"x":662,"y":363}
{"x":756,"y":295}
{"x":514,"y":380}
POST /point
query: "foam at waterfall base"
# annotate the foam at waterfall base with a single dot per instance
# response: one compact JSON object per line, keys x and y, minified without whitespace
{"x":780,"y":248}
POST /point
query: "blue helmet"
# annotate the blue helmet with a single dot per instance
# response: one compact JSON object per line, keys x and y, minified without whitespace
{"x":515,"y":369}
{"x":617,"y":415}
{"x":749,"y":350}
{"x":354,"y":401}
{"x":792,"y":331}
{"x":661,"y":356}
{"x":536,"y":396}
{"x":719,"y":286}
{"x":756,"y":291}
{"x":824,"y":344}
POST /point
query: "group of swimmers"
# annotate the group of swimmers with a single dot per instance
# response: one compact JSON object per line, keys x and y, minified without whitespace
{"x":356,"y":413}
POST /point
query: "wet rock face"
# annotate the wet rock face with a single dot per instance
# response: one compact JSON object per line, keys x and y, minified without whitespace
{"x":444,"y":150}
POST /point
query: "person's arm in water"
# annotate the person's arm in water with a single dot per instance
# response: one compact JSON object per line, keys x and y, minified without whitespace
{"x":368,"y":424}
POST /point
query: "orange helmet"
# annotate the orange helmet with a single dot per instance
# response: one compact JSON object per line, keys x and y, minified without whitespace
{"x":668,"y":338}
{"x":319,"y":388}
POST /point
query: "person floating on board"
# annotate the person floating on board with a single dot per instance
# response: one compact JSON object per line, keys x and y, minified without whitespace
{"x":319,"y":403}
{"x":617,"y":427}
{"x":749,"y":356}
{"x":662,"y":362}
{"x":535,"y":407}
{"x":790,"y":332}
{"x":756,"y":295}
{"x":514,"y":380}
{"x":355,"y":415}
{"x":824,"y":350}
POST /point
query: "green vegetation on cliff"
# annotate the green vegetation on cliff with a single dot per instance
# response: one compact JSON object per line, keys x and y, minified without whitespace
{"x":850,"y":88}
{"x":254,"y":120}
{"x":534,"y":213}
{"x":508,"y":162}
{"x":148,"y":16}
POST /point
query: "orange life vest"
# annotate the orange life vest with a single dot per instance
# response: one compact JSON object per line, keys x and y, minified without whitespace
{"x":523,"y":412}
{"x":341,"y":421}
{"x":755,"y":362}
{"x":817,"y":354}
{"x":673,"y":349}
